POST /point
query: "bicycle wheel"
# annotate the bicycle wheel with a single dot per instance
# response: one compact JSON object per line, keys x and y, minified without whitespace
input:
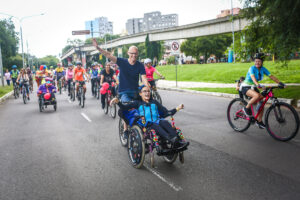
{"x":136,"y":147}
{"x":59,"y":86}
{"x":82,"y":99}
{"x":24,"y":95}
{"x":123,"y":141}
{"x":282,"y":121}
{"x":113,"y":110}
{"x":106,"y":105}
{"x":157,"y":97}
{"x":171,"y":158}
{"x":15,"y":92}
{"x":236,"y":116}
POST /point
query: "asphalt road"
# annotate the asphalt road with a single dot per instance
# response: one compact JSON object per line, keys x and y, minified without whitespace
{"x":75,"y":153}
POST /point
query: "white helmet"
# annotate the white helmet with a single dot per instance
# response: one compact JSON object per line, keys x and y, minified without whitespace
{"x":147,"y":60}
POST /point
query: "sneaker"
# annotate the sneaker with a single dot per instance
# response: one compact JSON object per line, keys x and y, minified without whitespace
{"x":103,"y":106}
{"x":125,"y":134}
{"x":260,"y":125}
{"x":28,"y":98}
{"x":247,"y":111}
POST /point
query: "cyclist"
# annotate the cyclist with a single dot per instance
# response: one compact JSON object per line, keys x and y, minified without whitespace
{"x":78,"y":74}
{"x":30,"y":76}
{"x":69,"y":77}
{"x":23,"y":79}
{"x":59,"y":74}
{"x":51,"y":71}
{"x":154,"y":114}
{"x":149,"y":72}
{"x":47,"y":87}
{"x":255,"y":74}
{"x":130,"y":69}
{"x":14,"y":74}
{"x":108,"y":76}
{"x":41,"y":75}
{"x":94,"y":76}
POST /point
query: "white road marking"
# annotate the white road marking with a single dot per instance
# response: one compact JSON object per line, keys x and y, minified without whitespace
{"x":172,"y":185}
{"x":86,"y":117}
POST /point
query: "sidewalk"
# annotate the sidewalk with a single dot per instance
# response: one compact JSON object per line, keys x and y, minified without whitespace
{"x":185,"y":84}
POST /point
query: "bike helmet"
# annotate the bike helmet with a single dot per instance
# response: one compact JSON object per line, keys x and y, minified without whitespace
{"x":147,"y":60}
{"x":47,"y":96}
{"x":70,"y":65}
{"x":14,"y":66}
{"x":78,"y":63}
{"x":260,"y":56}
{"x":93,"y":65}
{"x":41,"y":67}
{"x":51,"y":67}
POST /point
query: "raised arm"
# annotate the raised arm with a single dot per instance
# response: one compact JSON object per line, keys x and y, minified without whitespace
{"x":105,"y":53}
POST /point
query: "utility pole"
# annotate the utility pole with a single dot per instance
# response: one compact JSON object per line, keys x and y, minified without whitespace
{"x":232,"y":27}
{"x":1,"y":68}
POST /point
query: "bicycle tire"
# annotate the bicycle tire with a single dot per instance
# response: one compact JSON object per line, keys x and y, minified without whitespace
{"x":113,"y":111}
{"x":24,"y":96}
{"x":136,"y":147}
{"x":124,"y":142}
{"x":106,"y":105}
{"x":289,"y":112}
{"x":82,"y":99}
{"x":232,"y":117}
{"x":157,"y":97}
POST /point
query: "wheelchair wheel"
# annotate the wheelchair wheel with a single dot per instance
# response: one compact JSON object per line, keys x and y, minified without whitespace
{"x":170,"y":158}
{"x":124,"y":142}
{"x":136,"y":147}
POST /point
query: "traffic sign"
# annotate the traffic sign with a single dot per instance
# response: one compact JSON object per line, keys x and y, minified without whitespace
{"x":81,"y":32}
{"x":175,"y":46}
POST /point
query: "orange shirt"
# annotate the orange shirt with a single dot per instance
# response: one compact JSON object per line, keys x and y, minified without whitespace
{"x":79,"y":74}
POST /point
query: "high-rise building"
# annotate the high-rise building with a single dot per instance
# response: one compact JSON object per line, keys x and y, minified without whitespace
{"x":99,"y":27}
{"x":151,"y":21}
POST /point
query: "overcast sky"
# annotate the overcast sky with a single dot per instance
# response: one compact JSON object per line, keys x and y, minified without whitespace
{"x":48,"y":34}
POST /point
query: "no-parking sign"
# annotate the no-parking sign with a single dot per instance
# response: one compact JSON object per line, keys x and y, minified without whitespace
{"x":175,"y":46}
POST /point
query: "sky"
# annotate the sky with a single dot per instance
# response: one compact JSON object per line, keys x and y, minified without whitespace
{"x":47,"y":34}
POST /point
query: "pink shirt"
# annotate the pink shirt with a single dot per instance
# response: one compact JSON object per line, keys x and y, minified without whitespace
{"x":69,"y":74}
{"x":149,"y":73}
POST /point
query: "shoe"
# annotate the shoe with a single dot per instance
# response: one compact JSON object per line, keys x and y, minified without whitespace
{"x":103,"y":106}
{"x":247,"y":111}
{"x":260,"y":125}
{"x":69,"y":94}
{"x":28,"y":98}
{"x":125,"y":134}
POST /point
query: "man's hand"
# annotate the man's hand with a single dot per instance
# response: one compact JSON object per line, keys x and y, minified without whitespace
{"x":95,"y":43}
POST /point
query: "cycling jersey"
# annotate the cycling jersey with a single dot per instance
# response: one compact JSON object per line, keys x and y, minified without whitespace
{"x":259,"y":74}
{"x":149,"y":73}
{"x":59,"y":72}
{"x":69,"y":74}
{"x":59,"y":69}
{"x":79,"y":73}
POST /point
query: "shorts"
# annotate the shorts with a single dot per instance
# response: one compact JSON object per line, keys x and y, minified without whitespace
{"x":152,"y":83}
{"x":127,"y":96}
{"x":246,"y":88}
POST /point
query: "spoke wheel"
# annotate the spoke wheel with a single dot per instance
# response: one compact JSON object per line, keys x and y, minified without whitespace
{"x":236,"y":116}
{"x":123,"y":141}
{"x":136,"y":147}
{"x":282,"y":121}
{"x":113,"y":110}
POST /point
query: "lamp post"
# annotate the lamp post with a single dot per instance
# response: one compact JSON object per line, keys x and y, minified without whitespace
{"x":232,"y":27}
{"x":20,"y":21}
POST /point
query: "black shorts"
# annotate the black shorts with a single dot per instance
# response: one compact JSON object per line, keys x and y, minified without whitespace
{"x":246,"y":88}
{"x":152,"y":83}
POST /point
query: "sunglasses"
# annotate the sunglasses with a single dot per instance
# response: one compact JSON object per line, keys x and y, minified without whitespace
{"x":145,"y":91}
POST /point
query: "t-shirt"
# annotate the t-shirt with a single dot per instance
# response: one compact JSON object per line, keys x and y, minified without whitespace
{"x":149,"y":73}
{"x":94,"y":73}
{"x":108,"y":77}
{"x":69,"y":74}
{"x":79,"y":74}
{"x":259,"y":74}
{"x":7,"y":76}
{"x":129,"y":74}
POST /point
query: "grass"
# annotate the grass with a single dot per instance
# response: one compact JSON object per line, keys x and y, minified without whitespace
{"x":4,"y":90}
{"x":291,"y":92}
{"x":229,"y":72}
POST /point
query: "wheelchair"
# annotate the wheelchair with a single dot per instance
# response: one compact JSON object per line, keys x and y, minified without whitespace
{"x":143,"y":140}
{"x":44,"y":102}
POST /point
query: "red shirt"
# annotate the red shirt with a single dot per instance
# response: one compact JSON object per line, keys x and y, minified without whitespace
{"x":79,"y":74}
{"x":149,"y":73}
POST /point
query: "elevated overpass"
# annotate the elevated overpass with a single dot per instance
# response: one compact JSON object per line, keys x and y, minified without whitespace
{"x":204,"y":28}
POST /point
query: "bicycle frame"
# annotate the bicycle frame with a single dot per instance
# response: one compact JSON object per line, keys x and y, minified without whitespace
{"x":240,"y":112}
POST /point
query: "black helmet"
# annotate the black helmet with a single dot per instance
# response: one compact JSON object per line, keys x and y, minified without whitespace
{"x":78,"y":63}
{"x":260,"y":56}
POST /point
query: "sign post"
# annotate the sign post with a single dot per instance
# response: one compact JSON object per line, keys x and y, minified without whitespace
{"x":175,"y":51}
{"x":1,"y":68}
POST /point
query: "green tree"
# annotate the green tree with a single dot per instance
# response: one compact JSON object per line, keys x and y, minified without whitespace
{"x":8,"y":41}
{"x":153,"y":49}
{"x":274,"y":28}
{"x":48,"y":60}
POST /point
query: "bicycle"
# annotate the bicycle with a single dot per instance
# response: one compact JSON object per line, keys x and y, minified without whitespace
{"x":281,"y":119}
{"x":59,"y":84}
{"x":72,"y":91}
{"x":108,"y":106}
{"x":24,"y":92}
{"x":154,"y":93}
{"x":95,"y":89}
{"x":80,"y":94}
{"x":16,"y":90}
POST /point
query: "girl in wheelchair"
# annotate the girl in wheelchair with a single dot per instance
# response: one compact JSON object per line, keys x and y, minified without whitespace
{"x":47,"y":90}
{"x":154,"y":113}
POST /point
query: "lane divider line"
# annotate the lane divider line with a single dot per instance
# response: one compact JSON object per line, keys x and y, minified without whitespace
{"x":86,"y":117}
{"x":171,"y":185}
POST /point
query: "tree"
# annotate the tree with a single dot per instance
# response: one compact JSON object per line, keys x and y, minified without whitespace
{"x":8,"y":41}
{"x":153,"y":49}
{"x":48,"y":60}
{"x":274,"y":28}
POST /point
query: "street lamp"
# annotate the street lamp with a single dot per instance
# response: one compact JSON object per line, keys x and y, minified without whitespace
{"x":20,"y":21}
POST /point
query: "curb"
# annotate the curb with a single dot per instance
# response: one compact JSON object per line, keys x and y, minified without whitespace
{"x":217,"y":94}
{"x":2,"y":99}
{"x":298,"y":104}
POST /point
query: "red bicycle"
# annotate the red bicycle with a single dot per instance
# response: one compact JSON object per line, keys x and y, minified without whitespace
{"x":281,"y":119}
{"x":109,"y":96}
